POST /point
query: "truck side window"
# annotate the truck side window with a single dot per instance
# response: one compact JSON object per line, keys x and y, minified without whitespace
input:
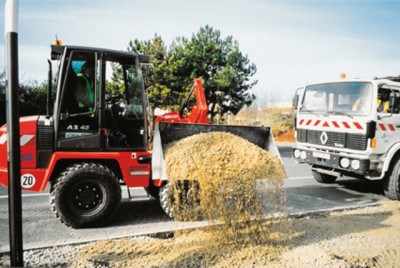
{"x":383,"y":101}
{"x":396,"y":103}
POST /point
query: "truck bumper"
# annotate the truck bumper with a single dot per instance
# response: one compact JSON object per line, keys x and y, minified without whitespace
{"x":332,"y":161}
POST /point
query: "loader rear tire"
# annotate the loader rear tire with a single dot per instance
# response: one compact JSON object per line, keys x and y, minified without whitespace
{"x":391,"y":182}
{"x":180,"y":200}
{"x":323,"y":178}
{"x":85,"y":195}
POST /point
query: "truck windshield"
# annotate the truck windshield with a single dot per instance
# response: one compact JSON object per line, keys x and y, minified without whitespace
{"x":345,"y":98}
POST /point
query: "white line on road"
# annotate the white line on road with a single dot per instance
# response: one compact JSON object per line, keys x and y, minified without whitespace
{"x":300,"y":178}
{"x":25,"y":195}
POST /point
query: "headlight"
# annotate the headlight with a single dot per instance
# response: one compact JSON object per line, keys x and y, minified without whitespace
{"x":303,"y":155}
{"x":355,"y":164}
{"x":344,"y":162}
{"x":296,"y":153}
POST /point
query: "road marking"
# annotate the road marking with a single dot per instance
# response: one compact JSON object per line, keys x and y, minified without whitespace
{"x":25,"y":195}
{"x":300,"y":178}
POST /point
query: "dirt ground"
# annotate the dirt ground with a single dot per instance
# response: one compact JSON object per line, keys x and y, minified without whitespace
{"x":366,"y":237}
{"x":287,"y":136}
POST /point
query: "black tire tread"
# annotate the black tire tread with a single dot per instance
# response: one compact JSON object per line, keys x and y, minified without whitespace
{"x":63,"y":179}
{"x":391,"y":182}
{"x":189,"y":212}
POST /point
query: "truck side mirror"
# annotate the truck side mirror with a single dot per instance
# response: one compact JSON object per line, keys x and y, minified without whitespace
{"x":296,"y":98}
{"x":295,"y":102}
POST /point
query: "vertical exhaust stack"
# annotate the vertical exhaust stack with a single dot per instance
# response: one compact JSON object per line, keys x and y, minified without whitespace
{"x":12,"y":111}
{"x":49,"y":89}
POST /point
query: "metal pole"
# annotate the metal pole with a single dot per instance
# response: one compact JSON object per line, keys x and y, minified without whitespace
{"x":14,"y":155}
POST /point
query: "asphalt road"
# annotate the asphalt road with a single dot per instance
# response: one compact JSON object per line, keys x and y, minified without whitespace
{"x":143,"y":215}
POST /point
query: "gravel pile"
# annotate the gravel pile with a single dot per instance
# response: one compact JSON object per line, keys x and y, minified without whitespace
{"x":367,"y":237}
{"x":48,"y":257}
{"x":69,"y":255}
{"x":230,"y":172}
{"x":237,"y":184}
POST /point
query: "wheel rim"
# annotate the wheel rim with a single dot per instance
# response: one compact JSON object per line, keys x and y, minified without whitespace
{"x":87,"y":198}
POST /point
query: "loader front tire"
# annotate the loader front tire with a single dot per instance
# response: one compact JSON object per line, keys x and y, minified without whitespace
{"x":85,"y":195}
{"x":391,"y":182}
{"x":180,"y":200}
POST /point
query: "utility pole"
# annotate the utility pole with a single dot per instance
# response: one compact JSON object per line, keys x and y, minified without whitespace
{"x":13,"y":140}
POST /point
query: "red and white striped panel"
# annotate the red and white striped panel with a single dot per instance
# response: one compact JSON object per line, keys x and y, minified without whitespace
{"x":331,"y":124}
{"x":386,"y":127}
{"x":23,"y":140}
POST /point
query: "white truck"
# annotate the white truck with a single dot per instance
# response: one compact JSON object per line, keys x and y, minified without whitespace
{"x":350,"y":127}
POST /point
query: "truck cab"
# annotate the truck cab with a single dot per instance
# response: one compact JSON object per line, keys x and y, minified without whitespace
{"x":350,"y":127}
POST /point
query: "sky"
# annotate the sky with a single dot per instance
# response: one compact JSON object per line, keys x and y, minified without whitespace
{"x":292,"y":43}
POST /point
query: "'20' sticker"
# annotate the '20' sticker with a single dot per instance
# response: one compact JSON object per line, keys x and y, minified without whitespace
{"x":28,"y":181}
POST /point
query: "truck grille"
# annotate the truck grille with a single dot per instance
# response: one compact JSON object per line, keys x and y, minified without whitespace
{"x":333,"y":139}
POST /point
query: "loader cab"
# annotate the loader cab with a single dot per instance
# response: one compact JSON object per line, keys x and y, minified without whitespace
{"x":100,"y":103}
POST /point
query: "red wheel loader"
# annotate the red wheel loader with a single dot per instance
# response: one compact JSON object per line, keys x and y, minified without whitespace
{"x":98,"y":135}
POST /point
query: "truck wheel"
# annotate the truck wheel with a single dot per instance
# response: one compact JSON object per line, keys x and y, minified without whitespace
{"x":180,"y":200}
{"x":391,"y":182}
{"x":85,"y":195}
{"x":323,"y":178}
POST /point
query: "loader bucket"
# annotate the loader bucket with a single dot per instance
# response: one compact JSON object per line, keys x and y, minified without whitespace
{"x":166,"y":133}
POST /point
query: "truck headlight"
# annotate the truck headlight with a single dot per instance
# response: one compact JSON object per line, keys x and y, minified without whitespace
{"x":355,"y":164}
{"x":344,"y":162}
{"x":296,"y":153}
{"x":303,"y":155}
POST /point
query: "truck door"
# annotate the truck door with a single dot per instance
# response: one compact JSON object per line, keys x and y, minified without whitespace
{"x":388,"y":124}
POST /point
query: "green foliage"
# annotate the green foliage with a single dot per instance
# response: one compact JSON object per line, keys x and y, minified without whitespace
{"x":115,"y":85}
{"x":160,"y":92}
{"x":32,"y":98}
{"x":226,"y":72}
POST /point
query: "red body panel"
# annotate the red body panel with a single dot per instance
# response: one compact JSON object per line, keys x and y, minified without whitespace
{"x":28,"y":136}
{"x":28,"y":143}
{"x":134,"y":173}
{"x":36,"y":179}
